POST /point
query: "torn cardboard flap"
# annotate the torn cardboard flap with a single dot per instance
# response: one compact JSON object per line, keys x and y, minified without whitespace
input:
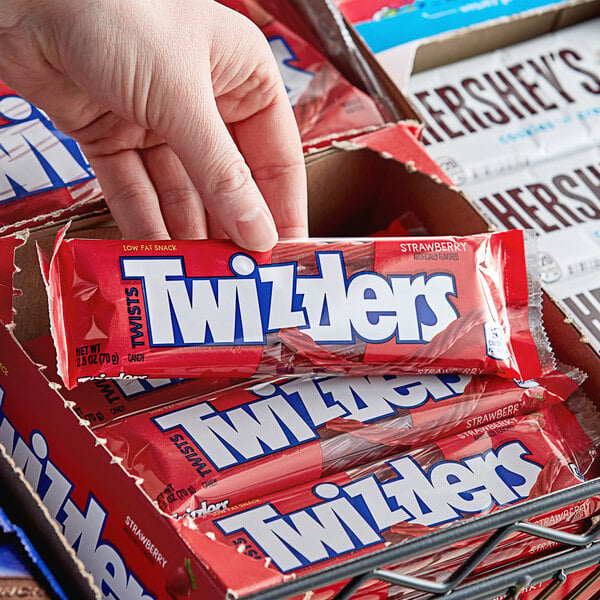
{"x":8,"y":270}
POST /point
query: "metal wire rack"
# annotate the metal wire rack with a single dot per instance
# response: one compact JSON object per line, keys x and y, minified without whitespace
{"x":574,"y":552}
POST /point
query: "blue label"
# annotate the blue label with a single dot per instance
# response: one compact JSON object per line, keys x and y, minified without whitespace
{"x":392,"y":26}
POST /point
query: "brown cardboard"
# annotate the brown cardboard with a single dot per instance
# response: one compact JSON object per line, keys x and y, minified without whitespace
{"x":479,"y":39}
{"x":352,"y":192}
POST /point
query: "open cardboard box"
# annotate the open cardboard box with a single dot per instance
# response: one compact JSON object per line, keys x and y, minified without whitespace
{"x":478,"y":39}
{"x":563,"y":127}
{"x":399,"y":62}
{"x":132,"y":549}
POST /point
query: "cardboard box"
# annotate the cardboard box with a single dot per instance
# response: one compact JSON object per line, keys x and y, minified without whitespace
{"x":130,"y":548}
{"x":409,"y":37}
{"x":471,"y":149}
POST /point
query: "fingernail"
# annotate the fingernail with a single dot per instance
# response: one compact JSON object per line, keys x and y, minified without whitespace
{"x":257,"y":229}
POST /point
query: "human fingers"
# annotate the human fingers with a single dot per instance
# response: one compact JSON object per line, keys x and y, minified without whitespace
{"x":277,"y":164}
{"x":180,"y":203}
{"x":130,"y":195}
{"x":214,"y":229}
{"x":243,"y":83}
{"x":223,"y":179}
{"x":258,"y":112}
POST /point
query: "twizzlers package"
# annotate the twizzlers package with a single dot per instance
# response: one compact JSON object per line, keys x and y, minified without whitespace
{"x":321,"y":523}
{"x":326,"y":105}
{"x":374,"y":306}
{"x":251,"y":440}
{"x":43,"y":174}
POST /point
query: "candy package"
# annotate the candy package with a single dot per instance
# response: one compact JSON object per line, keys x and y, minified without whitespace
{"x":321,"y":523}
{"x":102,"y":401}
{"x":123,"y":309}
{"x":43,"y":174}
{"x":261,"y":437}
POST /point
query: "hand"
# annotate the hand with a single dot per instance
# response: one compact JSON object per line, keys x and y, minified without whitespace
{"x":178,"y":106}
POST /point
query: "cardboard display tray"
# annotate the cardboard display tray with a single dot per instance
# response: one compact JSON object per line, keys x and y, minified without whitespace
{"x":130,"y":548}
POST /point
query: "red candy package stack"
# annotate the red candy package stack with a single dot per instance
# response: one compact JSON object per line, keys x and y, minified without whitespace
{"x":325,"y":104}
{"x":303,"y":529}
{"x":43,"y":174}
{"x":380,"y":306}
{"x":260,"y":437}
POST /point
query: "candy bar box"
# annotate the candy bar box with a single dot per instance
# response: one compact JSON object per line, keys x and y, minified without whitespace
{"x":127,"y":538}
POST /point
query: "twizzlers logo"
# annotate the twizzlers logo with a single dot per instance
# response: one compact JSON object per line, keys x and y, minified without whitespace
{"x":353,"y":516}
{"x":255,"y":300}
{"x":278,"y":417}
{"x":83,"y":528}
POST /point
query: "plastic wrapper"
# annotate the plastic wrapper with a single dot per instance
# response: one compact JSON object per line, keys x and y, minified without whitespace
{"x":406,"y":224}
{"x":260,"y":437}
{"x":43,"y":174}
{"x":327,"y":24}
{"x":315,"y":525}
{"x":101,"y":402}
{"x":326,"y":105}
{"x":375,"y":306}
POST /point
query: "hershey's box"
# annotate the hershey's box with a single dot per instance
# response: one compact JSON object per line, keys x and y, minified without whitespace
{"x":519,"y":130}
{"x":129,"y":546}
{"x":514,"y":107}
{"x":416,"y":35}
{"x":561,"y":199}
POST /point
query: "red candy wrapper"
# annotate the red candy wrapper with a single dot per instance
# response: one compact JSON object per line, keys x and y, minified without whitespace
{"x":255,"y":439}
{"x":43,"y":174}
{"x":406,"y":224}
{"x":326,"y":105}
{"x":306,"y":528}
{"x":101,"y":402}
{"x":376,"y":306}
